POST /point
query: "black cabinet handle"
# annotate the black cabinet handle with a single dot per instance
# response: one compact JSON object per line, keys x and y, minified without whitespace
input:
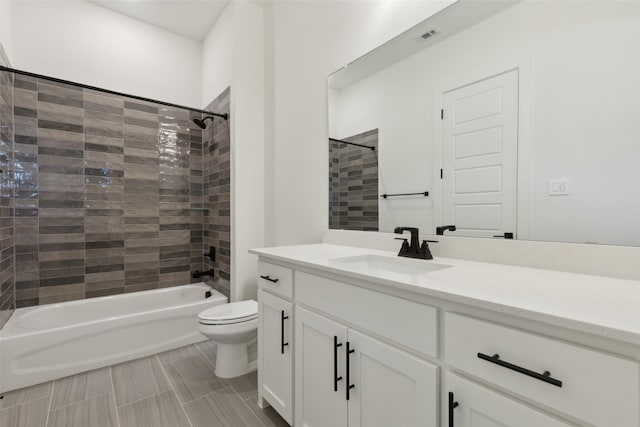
{"x":349,"y":385}
{"x":282,"y":343}
{"x":270,"y":279}
{"x":452,"y":405}
{"x":545,"y":376}
{"x":336,"y":378}
{"x":505,"y":236}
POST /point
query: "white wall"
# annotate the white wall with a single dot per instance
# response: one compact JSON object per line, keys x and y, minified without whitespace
{"x":218,"y":56}
{"x":82,"y":42}
{"x":584,"y":109}
{"x":310,"y":40}
{"x":248,"y":147}
{"x":233,"y":55}
{"x":6,"y":28}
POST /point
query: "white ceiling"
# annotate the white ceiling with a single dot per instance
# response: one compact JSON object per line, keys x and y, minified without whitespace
{"x":451,"y":20}
{"x":190,"y":18}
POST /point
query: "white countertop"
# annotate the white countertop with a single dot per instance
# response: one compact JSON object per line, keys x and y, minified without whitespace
{"x":592,"y":304}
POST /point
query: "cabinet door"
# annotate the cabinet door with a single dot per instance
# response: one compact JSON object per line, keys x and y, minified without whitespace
{"x":276,"y":353}
{"x":478,"y":406}
{"x":390,"y":387}
{"x":318,"y":403}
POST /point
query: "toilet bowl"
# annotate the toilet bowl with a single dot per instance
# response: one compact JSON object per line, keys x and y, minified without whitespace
{"x":234,"y":328}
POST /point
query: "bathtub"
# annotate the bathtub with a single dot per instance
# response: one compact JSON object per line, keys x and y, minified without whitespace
{"x":52,"y":341}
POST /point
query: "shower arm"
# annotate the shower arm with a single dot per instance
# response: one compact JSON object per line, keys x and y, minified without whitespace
{"x":224,"y":116}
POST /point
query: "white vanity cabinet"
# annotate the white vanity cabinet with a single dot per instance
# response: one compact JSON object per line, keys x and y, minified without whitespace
{"x":346,"y":378}
{"x":365,"y":353}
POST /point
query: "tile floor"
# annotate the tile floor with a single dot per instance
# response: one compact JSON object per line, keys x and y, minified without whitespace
{"x":173,"y":389}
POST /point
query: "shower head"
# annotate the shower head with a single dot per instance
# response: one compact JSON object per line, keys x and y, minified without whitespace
{"x":201,"y":122}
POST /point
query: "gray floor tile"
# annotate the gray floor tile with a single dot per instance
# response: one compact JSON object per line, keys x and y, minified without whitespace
{"x":246,"y":386}
{"x":80,"y":387}
{"x":223,"y":408}
{"x":268,"y":416}
{"x":31,"y":414}
{"x":23,"y":395}
{"x":162,"y":410}
{"x":138,"y":379}
{"x":209,"y":349}
{"x":95,"y":412}
{"x":193,"y":377}
{"x":178,"y":353}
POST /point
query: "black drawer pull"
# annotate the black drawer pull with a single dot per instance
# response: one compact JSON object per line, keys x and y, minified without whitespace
{"x":270,"y":279}
{"x":282,"y":343}
{"x":452,"y":405}
{"x":545,"y":376}
{"x":349,"y":385}
{"x":336,"y":378}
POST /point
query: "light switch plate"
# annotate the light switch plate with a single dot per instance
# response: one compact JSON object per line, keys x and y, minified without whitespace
{"x":559,"y":187}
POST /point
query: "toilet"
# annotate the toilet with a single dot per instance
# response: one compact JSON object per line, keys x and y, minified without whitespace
{"x":234,"y":329}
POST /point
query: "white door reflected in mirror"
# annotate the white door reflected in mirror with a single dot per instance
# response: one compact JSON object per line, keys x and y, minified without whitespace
{"x":480,"y":142}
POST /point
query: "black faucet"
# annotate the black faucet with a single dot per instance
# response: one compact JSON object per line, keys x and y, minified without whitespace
{"x":440,"y":230}
{"x":413,"y":249}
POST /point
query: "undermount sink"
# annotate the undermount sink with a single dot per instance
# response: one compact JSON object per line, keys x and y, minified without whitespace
{"x":376,"y":264}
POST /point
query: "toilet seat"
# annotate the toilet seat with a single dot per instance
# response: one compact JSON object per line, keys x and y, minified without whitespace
{"x":231,"y":313}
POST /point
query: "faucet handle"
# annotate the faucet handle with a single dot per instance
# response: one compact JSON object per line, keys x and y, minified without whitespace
{"x":405,"y":244}
{"x":429,"y":241}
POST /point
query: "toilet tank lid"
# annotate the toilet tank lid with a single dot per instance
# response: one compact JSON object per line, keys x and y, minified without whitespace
{"x":232,"y":310}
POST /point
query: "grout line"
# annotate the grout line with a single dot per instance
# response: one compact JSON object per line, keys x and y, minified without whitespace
{"x":172,"y":388}
{"x":23,"y":403}
{"x":145,"y":397}
{"x":204,"y":354}
{"x":141,"y":399}
{"x":53,"y":385}
{"x":79,"y":401}
{"x":209,"y":394}
{"x":115,"y":403}
{"x":251,"y":411}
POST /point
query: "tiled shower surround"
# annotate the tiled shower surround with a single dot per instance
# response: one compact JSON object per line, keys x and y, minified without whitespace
{"x":109,"y":193}
{"x":7,"y":279}
{"x":353,"y":183}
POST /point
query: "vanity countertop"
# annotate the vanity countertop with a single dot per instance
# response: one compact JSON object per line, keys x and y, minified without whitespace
{"x":597,"y":305}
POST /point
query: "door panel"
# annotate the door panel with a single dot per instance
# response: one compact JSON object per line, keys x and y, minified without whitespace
{"x":481,"y":407}
{"x":391,"y":387}
{"x":276,"y":361}
{"x":480,"y":138}
{"x":317,"y":404}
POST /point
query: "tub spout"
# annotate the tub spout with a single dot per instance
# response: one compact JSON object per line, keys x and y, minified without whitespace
{"x":197,"y":274}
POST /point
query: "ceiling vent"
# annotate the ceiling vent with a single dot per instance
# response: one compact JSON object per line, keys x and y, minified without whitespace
{"x":429,"y":34}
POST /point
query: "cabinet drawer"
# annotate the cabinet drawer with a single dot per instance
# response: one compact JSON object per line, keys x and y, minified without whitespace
{"x":275,"y":278}
{"x":592,"y":386}
{"x":477,"y":405}
{"x":405,"y":322}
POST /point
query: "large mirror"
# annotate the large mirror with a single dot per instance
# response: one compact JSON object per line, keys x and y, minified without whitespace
{"x":505,"y":119}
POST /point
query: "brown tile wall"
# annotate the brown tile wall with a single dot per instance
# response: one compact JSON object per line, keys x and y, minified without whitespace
{"x":217,"y":192}
{"x":7,"y":278}
{"x":105,"y":193}
{"x":353,"y":184}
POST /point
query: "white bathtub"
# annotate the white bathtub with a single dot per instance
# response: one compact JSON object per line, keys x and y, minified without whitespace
{"x":52,"y":341}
